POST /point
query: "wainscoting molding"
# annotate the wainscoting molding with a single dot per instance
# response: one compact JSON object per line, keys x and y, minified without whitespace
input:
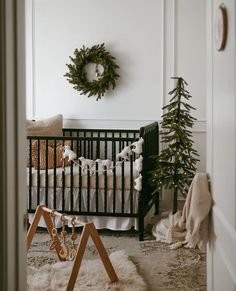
{"x":199,"y":126}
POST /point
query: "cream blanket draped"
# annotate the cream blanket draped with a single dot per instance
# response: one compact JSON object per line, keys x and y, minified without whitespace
{"x":189,"y":228}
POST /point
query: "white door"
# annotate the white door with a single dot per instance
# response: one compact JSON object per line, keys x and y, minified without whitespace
{"x":221,"y":152}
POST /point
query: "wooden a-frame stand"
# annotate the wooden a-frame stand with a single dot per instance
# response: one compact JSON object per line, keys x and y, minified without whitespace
{"x":88,"y":230}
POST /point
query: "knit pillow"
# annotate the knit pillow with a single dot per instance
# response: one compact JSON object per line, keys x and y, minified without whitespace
{"x":45,"y":127}
{"x":51,"y":157}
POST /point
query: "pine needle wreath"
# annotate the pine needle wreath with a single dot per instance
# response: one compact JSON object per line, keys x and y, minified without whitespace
{"x":77,"y":75}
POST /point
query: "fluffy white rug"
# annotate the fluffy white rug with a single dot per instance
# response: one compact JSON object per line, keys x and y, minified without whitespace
{"x":92,"y":276}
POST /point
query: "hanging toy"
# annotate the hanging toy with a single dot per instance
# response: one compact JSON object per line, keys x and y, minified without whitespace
{"x":138,"y":164}
{"x":73,"y":238}
{"x":67,"y":152}
{"x":138,"y":183}
{"x":53,"y":232}
{"x":125,"y":153}
{"x":87,"y":164}
{"x":106,"y":164}
{"x":64,"y":249}
{"x":137,"y":146}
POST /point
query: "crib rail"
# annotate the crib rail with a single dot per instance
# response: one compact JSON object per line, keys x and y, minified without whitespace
{"x":125,"y":133}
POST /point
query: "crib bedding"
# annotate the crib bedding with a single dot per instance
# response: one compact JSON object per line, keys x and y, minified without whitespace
{"x":122,"y":174}
{"x":81,"y":205}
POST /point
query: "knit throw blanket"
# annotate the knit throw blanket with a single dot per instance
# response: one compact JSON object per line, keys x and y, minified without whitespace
{"x":188,"y":228}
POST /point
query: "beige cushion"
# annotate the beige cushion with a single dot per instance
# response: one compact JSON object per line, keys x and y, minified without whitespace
{"x":46,"y":127}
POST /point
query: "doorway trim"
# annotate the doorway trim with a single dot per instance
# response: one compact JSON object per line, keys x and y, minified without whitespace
{"x":12,"y":145}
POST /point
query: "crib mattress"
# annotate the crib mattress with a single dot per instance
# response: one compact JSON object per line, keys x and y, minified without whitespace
{"x":116,"y":179}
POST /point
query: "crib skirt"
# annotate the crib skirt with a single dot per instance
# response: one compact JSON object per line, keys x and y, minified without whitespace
{"x":81,"y":204}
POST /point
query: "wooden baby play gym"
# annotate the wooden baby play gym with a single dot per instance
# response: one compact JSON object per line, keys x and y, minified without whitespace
{"x":59,"y":245}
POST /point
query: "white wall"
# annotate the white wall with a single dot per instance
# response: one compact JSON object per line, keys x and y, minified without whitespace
{"x":152,"y":41}
{"x":131,"y":31}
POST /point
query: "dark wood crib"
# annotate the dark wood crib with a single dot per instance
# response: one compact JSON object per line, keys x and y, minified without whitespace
{"x":82,"y":192}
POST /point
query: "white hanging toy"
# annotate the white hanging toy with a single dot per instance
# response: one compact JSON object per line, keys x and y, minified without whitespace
{"x":124,"y":154}
{"x":87,"y":164}
{"x":67,"y":152}
{"x":138,"y":164}
{"x":138,"y":183}
{"x":106,"y":164}
{"x":137,"y":146}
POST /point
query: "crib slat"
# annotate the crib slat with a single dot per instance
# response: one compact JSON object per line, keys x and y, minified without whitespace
{"x":88,"y":150}
{"x":46,"y":175}
{"x":98,"y":147}
{"x":105,"y":145}
{"x":84,"y":147}
{"x":77,"y":148}
{"x":71,"y":182}
{"x":55,"y":176}
{"x":91,"y":147}
{"x":122,"y":186}
{"x":80,"y":186}
{"x":114,"y":173}
{"x":80,"y":148}
{"x":120,"y":143}
{"x":131,"y":185}
{"x":38,"y":175}
{"x":63,"y":188}
{"x":30,"y":174}
{"x":96,"y":190}
{"x":88,"y":190}
{"x":97,"y":174}
{"x":105,"y":177}
{"x":105,"y":192}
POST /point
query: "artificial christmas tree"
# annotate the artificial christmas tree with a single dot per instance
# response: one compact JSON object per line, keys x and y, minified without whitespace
{"x":176,"y":164}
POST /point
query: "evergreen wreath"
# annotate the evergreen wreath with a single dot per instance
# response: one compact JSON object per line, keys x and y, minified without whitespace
{"x":77,"y":75}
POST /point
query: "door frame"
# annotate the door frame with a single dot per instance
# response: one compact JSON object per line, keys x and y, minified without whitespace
{"x":12,"y":145}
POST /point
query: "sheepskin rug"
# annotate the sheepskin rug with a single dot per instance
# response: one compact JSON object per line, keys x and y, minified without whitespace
{"x":92,"y":276}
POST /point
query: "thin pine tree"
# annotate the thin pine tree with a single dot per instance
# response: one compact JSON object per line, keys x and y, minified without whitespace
{"x":176,"y":164}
